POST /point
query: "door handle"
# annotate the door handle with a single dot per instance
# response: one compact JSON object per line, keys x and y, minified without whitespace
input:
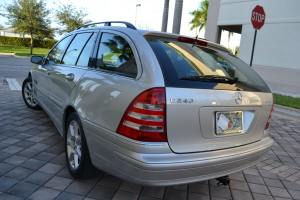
{"x":70,"y":77}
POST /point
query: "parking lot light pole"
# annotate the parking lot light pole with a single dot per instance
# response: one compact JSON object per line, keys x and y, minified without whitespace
{"x":136,"y":6}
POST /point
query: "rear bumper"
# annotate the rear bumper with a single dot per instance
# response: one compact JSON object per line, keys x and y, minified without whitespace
{"x":168,"y":168}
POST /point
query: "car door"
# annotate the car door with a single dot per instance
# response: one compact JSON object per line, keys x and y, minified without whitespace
{"x":42,"y":72}
{"x":65,"y":75}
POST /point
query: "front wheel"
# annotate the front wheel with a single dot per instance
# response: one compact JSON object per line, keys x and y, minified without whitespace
{"x":27,"y":93}
{"x":77,"y":153}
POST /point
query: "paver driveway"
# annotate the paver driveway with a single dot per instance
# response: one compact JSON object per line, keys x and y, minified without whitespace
{"x":32,"y":162}
{"x":32,"y":165}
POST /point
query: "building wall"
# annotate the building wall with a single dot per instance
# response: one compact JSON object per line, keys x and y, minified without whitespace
{"x":277,"y":42}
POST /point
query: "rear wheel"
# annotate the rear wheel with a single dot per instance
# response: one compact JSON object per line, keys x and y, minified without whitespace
{"x":77,"y":153}
{"x":27,"y":93}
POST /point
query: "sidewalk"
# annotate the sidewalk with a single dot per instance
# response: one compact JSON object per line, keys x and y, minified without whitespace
{"x":281,"y":80}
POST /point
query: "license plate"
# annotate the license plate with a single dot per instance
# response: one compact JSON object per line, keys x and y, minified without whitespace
{"x":229,"y":122}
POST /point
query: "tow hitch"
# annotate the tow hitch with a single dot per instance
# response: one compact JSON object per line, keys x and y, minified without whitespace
{"x":224,"y":180}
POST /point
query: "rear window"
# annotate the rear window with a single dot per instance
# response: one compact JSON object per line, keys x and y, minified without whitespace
{"x":194,"y":66}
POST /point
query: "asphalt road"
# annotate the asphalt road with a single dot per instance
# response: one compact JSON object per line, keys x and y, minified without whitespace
{"x":13,"y":67}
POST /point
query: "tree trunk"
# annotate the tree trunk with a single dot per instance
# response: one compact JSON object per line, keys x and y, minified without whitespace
{"x":164,"y":24}
{"x":177,"y":16}
{"x":31,"y":44}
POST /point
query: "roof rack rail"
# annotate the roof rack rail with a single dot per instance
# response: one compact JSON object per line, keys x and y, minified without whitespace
{"x":108,"y":23}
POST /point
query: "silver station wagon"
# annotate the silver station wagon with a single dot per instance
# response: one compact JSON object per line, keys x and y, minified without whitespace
{"x":152,"y":108}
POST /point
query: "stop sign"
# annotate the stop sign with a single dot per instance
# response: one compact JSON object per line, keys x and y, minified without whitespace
{"x":258,"y":17}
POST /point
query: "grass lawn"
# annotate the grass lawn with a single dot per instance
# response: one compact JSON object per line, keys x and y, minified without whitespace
{"x":287,"y":101}
{"x":23,"y":51}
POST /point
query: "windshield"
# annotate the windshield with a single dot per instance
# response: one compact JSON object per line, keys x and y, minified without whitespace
{"x":195,"y":66}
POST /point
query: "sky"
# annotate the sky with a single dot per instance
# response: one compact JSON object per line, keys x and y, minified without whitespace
{"x":149,"y":14}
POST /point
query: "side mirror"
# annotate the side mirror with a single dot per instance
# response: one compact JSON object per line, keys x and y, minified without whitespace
{"x":36,"y":59}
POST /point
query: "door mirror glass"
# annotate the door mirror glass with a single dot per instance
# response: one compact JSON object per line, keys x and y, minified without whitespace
{"x":36,"y":59}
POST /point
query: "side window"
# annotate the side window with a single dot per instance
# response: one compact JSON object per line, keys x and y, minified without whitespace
{"x":55,"y":54}
{"x":75,"y":48}
{"x":86,"y":53}
{"x":115,"y":54}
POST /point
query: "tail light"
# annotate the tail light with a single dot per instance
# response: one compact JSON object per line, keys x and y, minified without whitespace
{"x":145,"y":118}
{"x":270,"y":116}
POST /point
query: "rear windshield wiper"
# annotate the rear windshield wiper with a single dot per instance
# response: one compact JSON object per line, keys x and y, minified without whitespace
{"x":211,"y":78}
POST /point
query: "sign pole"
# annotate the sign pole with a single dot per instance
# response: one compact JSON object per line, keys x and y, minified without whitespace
{"x":253,"y":47}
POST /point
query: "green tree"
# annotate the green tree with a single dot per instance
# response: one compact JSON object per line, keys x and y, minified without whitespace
{"x":70,"y":18}
{"x":200,"y":16}
{"x":29,"y":17}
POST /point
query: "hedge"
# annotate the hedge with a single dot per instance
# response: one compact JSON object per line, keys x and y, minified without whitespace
{"x":19,"y":41}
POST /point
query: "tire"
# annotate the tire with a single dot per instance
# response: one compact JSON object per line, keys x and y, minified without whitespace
{"x":76,"y":150}
{"x":28,"y":95}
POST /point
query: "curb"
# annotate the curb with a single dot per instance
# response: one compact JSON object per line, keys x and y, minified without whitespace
{"x":13,"y":54}
{"x":287,"y":110}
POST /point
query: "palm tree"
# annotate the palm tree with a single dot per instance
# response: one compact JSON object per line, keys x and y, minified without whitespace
{"x":200,"y":16}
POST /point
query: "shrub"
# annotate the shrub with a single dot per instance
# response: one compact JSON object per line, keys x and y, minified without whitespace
{"x":18,"y":41}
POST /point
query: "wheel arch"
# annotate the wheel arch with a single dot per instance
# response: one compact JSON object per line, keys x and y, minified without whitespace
{"x":67,"y":112}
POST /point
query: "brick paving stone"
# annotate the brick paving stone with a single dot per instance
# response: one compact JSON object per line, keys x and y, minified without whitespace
{"x":156,"y":192}
{"x":79,"y":188}
{"x":199,"y":188}
{"x":171,"y":194}
{"x":195,"y":196}
{"x":12,"y":149}
{"x":6,"y":183}
{"x":273,"y":183}
{"x":254,"y":179}
{"x":261,"y":189}
{"x":15,"y":160}
{"x":241,"y":195}
{"x":110,"y":181}
{"x":5,"y":196}
{"x":239,"y":185}
{"x":295,"y":194}
{"x":40,"y":146}
{"x":66,"y":195}
{"x":101,"y":193}
{"x":279,"y":192}
{"x":33,"y":164}
{"x":22,"y":189}
{"x":130,"y":187}
{"x":58,"y":183}
{"x":4,"y":155}
{"x":220,"y":192}
{"x":19,"y":173}
{"x":11,"y":141}
{"x":44,"y":194}
{"x":29,"y":153}
{"x":262,"y":197}
{"x":25,"y":143}
{"x":51,"y":168}
{"x":38,"y":178}
{"x":44,"y":156}
{"x":4,"y":168}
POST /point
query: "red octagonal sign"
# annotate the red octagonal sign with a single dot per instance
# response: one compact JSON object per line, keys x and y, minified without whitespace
{"x":258,"y":17}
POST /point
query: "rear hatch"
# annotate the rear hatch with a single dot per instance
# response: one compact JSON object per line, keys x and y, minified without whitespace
{"x":214,"y":100}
